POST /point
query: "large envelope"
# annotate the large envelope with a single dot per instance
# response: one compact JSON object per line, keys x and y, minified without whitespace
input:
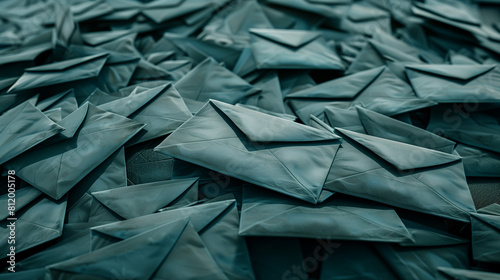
{"x":456,"y":83}
{"x":23,"y":127}
{"x":292,"y":49}
{"x":267,"y":213}
{"x":401,"y":175}
{"x":56,"y":168}
{"x":377,"y":89}
{"x":485,"y":234}
{"x":44,"y":216}
{"x":267,"y":151}
{"x":209,"y":80}
{"x":60,"y":72}
{"x":216,"y":222}
{"x":139,"y":200}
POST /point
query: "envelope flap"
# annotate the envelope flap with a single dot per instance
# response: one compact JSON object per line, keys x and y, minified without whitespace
{"x":66,"y":64}
{"x":489,"y":219}
{"x":461,"y":72}
{"x":400,"y":155}
{"x":73,"y":121}
{"x":291,"y":38}
{"x":128,"y":105}
{"x":251,"y":123}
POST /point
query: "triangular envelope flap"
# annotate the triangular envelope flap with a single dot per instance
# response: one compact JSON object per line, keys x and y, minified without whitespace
{"x":489,"y":219}
{"x":199,"y":215}
{"x":402,"y":156}
{"x":64,"y":65}
{"x":46,"y":103}
{"x":393,"y":53}
{"x":251,"y":123}
{"x":344,"y":87}
{"x":386,"y":127}
{"x":364,"y":13}
{"x":138,"y":200}
{"x":73,"y":121}
{"x":291,"y":38}
{"x":148,"y":249}
{"x":128,"y":105}
{"x":461,"y":72}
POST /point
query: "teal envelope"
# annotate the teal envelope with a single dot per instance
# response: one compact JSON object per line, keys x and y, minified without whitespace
{"x":271,"y":98}
{"x":56,"y":168}
{"x":364,"y":18}
{"x":23,"y":127}
{"x":448,"y":273}
{"x":455,"y":83}
{"x":377,"y":89}
{"x":266,"y":213}
{"x":60,"y":72}
{"x":292,"y":49}
{"x":24,"y":196}
{"x":401,"y":175}
{"x":232,"y":25}
{"x":479,"y":162}
{"x":161,"y":108}
{"x":213,"y":81}
{"x":485,"y":232}
{"x":37,"y":223}
{"x":139,"y":200}
{"x":217,"y":224}
{"x":255,"y":147}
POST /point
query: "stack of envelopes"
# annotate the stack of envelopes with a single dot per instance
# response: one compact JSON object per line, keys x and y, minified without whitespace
{"x":250,"y":139}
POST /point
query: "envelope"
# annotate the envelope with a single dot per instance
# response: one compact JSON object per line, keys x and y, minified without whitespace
{"x":55,"y":169}
{"x":448,"y":273}
{"x":149,"y":107}
{"x":213,"y":82}
{"x":232,"y":25}
{"x":401,"y":175}
{"x":455,"y":83}
{"x":217,"y":224}
{"x":256,"y":147}
{"x":385,"y":127}
{"x":376,"y":89}
{"x":267,"y":213}
{"x":364,"y":18}
{"x":354,"y":260}
{"x":375,"y":54}
{"x":20,"y":58}
{"x":66,"y":102}
{"x":24,"y":127}
{"x":476,"y":128}
{"x":60,"y":72}
{"x":271,"y":98}
{"x":292,"y":49}
{"x":139,"y":200}
{"x":43,"y":216}
{"x":485,"y":233}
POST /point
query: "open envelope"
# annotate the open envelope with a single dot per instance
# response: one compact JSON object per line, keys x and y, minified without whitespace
{"x":292,"y":49}
{"x":56,"y":168}
{"x":60,"y":72}
{"x":377,"y":89}
{"x":267,"y":151}
{"x":139,"y":200}
{"x":161,"y":108}
{"x":217,"y":224}
{"x":456,"y":83}
{"x":267,"y":213}
{"x":171,"y":251}
{"x":213,"y":81}
{"x":43,"y":216}
{"x":23,"y":127}
{"x":401,"y":175}
{"x":486,"y":233}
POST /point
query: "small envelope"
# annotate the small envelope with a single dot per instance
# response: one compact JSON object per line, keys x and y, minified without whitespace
{"x":456,"y":83}
{"x":268,"y":151}
{"x":292,"y":49}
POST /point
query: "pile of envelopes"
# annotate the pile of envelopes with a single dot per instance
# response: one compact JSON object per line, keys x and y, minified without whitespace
{"x":251,"y":139}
